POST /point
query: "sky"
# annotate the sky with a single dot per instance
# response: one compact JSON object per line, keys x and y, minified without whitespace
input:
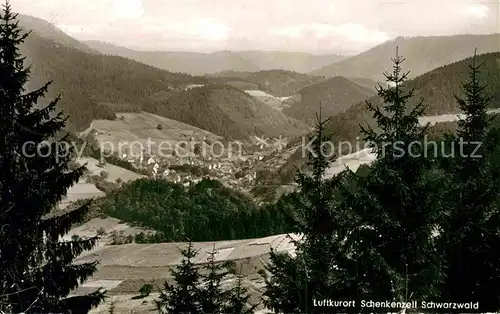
{"x":315,"y":26}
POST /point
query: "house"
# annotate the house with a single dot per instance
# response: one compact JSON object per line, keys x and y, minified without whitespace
{"x":191,"y":86}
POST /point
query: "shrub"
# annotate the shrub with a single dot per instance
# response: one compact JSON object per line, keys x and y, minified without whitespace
{"x":101,"y":231}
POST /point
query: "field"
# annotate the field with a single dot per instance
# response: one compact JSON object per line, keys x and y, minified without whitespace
{"x":114,"y":172}
{"x":80,"y":191}
{"x":273,"y":101}
{"x":124,"y":269}
{"x":447,"y":117}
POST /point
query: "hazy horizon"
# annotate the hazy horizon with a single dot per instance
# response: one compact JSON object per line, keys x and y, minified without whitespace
{"x":315,"y":26}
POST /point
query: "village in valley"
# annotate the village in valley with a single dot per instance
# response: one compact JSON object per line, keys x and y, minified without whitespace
{"x":236,"y":168}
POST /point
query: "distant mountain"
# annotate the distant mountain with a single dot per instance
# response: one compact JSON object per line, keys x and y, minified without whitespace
{"x":301,"y":62}
{"x":333,"y":96}
{"x":437,"y":89}
{"x":184,"y":62}
{"x":422,"y":54}
{"x":224,"y":110}
{"x":280,"y":83}
{"x":85,"y":79}
{"x":208,"y":63}
{"x":47,"y":30}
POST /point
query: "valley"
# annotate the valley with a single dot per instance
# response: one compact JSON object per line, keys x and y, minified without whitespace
{"x":206,"y":148}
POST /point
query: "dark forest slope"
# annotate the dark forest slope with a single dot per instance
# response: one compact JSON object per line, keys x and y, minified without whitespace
{"x":334,"y":95}
{"x":86,"y":79}
{"x":224,"y":110}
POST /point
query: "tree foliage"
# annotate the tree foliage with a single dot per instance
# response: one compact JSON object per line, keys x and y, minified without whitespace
{"x":37,"y":270}
{"x":470,"y":237}
{"x":199,"y":289}
{"x":397,"y":205}
{"x":321,"y":267}
{"x":207,"y":211}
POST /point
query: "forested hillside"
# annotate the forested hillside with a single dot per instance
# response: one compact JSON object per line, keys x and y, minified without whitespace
{"x":334,"y":95}
{"x":224,"y":110}
{"x":366,"y":82}
{"x":437,"y":88}
{"x":280,"y":83}
{"x":207,"y":211}
{"x":422,"y":54}
{"x":86,"y":79}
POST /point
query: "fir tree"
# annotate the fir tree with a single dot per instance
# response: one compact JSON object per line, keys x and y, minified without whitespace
{"x":396,"y":207}
{"x":213,"y":298}
{"x":193,"y":292}
{"x":37,"y":271}
{"x":321,"y":268}
{"x":239,"y":298}
{"x":184,"y":296}
{"x":470,"y":236}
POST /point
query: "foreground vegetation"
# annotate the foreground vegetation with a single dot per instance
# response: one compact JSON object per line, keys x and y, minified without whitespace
{"x":207,"y":211}
{"x":409,"y":227}
{"x":37,"y":273}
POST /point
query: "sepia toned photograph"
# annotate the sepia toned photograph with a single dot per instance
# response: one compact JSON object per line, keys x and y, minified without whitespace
{"x":249,"y":156}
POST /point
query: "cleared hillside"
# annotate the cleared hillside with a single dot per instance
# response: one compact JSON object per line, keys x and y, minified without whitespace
{"x":123,"y":135}
{"x":266,"y":98}
{"x":85,"y":79}
{"x":226,"y":111}
{"x":280,"y":83}
{"x":423,"y":54}
{"x":334,"y":95}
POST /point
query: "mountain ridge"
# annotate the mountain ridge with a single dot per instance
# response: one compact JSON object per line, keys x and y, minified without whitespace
{"x":198,"y":63}
{"x":423,"y":54}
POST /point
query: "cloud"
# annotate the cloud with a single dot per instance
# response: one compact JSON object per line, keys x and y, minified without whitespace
{"x":153,"y":31}
{"x":127,"y":9}
{"x":477,"y":10}
{"x":350,"y":31}
{"x":322,"y":26}
{"x":208,"y":28}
